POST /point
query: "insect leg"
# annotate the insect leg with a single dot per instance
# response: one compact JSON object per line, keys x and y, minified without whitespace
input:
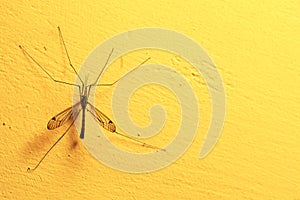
{"x":29,"y":169}
{"x":65,"y":47}
{"x":38,"y":64}
{"x":111,"y":84}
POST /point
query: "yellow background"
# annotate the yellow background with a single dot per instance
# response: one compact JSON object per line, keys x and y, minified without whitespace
{"x":255,"y":45}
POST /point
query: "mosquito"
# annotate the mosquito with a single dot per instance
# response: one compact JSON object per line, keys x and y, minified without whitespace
{"x":70,"y":114}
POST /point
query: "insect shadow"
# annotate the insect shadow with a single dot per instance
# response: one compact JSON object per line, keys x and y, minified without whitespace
{"x":83,"y":105}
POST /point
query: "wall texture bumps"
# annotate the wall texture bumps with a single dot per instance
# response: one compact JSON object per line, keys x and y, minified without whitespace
{"x":255,"y":46}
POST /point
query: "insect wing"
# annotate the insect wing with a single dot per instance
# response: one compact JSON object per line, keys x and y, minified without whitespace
{"x":102,"y":119}
{"x":63,"y":117}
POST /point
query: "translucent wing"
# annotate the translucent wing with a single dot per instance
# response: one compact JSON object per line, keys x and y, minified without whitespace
{"x":102,"y":119}
{"x":63,"y":117}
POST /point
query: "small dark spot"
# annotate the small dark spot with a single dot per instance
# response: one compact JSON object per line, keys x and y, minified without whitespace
{"x":3,"y":123}
{"x":110,"y":122}
{"x":53,"y":118}
{"x":69,"y":155}
{"x":45,"y":48}
{"x":9,"y":127}
{"x":75,"y":143}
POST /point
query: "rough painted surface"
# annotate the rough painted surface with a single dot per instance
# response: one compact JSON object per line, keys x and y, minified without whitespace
{"x":256,"y":48}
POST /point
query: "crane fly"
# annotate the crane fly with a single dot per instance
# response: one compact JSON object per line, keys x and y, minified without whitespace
{"x":70,"y":114}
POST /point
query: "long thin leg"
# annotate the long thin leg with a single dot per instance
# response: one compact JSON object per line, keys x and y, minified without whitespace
{"x":138,"y":141}
{"x":70,"y":63}
{"x":29,"y":169}
{"x":111,"y":84}
{"x":103,"y":67}
{"x":38,"y":64}
{"x":104,"y":121}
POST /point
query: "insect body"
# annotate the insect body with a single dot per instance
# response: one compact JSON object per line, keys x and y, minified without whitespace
{"x":70,"y":114}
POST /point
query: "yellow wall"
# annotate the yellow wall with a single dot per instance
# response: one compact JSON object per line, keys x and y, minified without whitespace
{"x":255,"y":45}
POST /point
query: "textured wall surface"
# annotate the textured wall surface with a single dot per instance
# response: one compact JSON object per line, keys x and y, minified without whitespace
{"x":255,"y":45}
